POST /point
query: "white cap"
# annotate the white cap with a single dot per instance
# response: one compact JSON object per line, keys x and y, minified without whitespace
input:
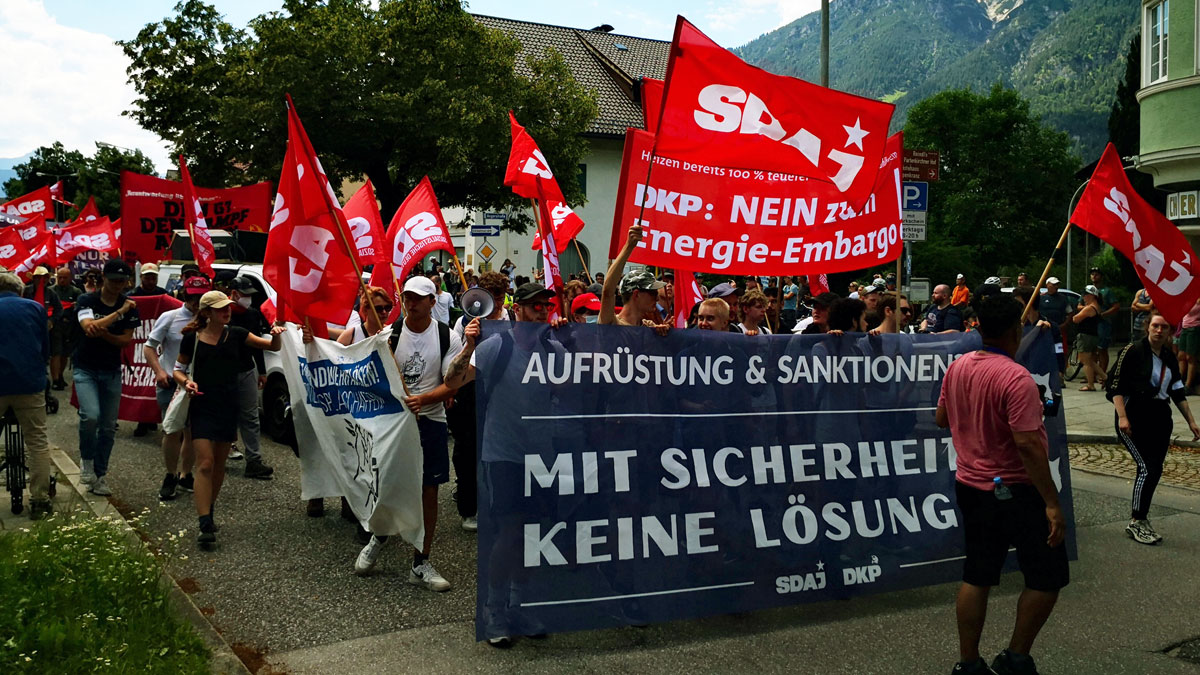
{"x":149,"y":268}
{"x":959,"y":277}
{"x":1052,"y":280}
{"x":420,"y":285}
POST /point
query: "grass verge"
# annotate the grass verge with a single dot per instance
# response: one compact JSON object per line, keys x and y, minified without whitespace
{"x":78,"y":595}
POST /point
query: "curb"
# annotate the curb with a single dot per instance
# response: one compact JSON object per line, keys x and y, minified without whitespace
{"x":224,"y":660}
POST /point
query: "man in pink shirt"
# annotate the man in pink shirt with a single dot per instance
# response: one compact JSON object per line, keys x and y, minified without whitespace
{"x":1004,"y":488}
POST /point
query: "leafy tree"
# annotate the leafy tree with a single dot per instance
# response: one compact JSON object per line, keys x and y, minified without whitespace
{"x":97,"y":176}
{"x":412,"y":88}
{"x":1005,"y":182}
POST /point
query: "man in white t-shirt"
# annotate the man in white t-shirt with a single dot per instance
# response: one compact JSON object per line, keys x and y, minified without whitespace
{"x":423,"y":362}
{"x":441,"y":309}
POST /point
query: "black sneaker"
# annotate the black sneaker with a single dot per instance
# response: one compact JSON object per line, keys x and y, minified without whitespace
{"x":256,"y":469}
{"x":976,"y":667}
{"x":144,"y":428}
{"x":208,"y":531}
{"x":187,"y":483}
{"x":167,"y":492}
{"x":500,"y":642}
{"x":1011,"y":663}
{"x":60,"y":385}
{"x":40,"y":508}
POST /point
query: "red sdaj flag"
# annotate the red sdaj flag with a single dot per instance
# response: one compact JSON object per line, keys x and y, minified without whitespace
{"x":36,"y":203}
{"x":652,"y":97}
{"x":92,"y":235}
{"x":818,"y":284}
{"x":40,"y":243}
{"x":56,"y":193}
{"x":687,"y":294}
{"x":529,"y":175}
{"x":13,"y":250}
{"x":552,"y":276}
{"x":366,"y":225}
{"x":416,"y":230}
{"x":88,"y":212}
{"x":203,"y":250}
{"x":719,"y":110}
{"x":1165,"y":262}
{"x":307,"y":260}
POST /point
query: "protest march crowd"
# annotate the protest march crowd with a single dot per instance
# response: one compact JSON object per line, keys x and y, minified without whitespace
{"x":206,"y":350}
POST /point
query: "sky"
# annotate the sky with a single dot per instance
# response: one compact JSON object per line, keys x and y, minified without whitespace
{"x":73,"y":89}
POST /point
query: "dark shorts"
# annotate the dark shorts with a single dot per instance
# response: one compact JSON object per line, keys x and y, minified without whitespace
{"x":435,"y":452}
{"x":213,"y":416}
{"x":991,"y":526}
{"x":1189,"y":341}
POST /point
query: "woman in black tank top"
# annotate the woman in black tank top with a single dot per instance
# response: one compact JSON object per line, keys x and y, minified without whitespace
{"x":1087,"y":339}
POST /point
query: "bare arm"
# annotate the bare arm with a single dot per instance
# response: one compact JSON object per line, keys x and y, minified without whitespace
{"x":1141,"y":306}
{"x":1187,"y":414}
{"x":608,"y":296}
{"x":943,"y":417}
{"x":1033,"y":456}
{"x":461,"y":371}
{"x":259,"y":342}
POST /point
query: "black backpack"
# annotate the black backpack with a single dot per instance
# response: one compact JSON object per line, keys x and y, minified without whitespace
{"x":443,"y":336}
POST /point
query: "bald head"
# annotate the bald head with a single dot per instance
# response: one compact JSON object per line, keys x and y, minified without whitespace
{"x":941,"y":295}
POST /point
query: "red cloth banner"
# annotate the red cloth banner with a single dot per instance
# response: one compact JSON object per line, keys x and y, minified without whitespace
{"x":203,"y":251}
{"x":366,"y":226}
{"x":40,"y":244}
{"x":721,"y":111}
{"x":529,"y":175}
{"x":652,"y":97}
{"x":13,"y":250}
{"x":307,"y":260}
{"x":36,"y":203}
{"x":152,"y":208}
{"x":416,"y":230}
{"x":733,"y":221}
{"x":1165,"y":262}
{"x":87,"y":213}
{"x":139,"y":402}
{"x":91,"y":235}
{"x":687,"y":294}
{"x":56,"y":193}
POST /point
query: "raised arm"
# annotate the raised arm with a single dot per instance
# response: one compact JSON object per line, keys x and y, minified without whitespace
{"x":608,"y":296}
{"x":461,"y":371}
{"x":273,"y":344}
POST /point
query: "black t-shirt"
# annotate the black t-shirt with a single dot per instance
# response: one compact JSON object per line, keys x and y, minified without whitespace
{"x":217,"y":366}
{"x":254,"y":322}
{"x":95,"y":353}
{"x":141,"y":291}
{"x":941,"y":319}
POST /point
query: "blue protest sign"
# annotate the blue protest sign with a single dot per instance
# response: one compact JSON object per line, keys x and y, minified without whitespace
{"x":628,"y":478}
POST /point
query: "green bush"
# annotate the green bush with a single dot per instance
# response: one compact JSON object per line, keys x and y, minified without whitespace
{"x":78,"y":595}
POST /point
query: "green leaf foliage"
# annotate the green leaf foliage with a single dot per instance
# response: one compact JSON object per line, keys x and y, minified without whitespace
{"x":97,"y":176}
{"x":394,"y":93}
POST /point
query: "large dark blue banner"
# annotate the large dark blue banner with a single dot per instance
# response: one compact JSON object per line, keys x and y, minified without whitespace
{"x":628,"y":478}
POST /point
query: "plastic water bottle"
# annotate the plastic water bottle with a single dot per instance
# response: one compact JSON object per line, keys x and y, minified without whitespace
{"x":1001,"y":490}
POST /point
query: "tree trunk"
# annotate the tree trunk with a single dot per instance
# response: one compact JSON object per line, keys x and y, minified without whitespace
{"x":386,"y":190}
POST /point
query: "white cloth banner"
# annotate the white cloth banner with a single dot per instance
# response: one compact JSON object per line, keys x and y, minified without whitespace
{"x":356,"y":438}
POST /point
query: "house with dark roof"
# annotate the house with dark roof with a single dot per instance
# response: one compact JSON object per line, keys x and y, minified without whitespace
{"x":611,"y":65}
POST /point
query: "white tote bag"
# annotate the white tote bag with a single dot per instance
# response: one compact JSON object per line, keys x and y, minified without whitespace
{"x":177,"y":410}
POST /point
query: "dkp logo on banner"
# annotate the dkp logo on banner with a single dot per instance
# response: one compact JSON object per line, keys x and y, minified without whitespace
{"x":628,"y":478}
{"x":356,"y":438}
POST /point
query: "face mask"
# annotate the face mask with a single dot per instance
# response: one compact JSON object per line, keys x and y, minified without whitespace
{"x":244,"y":302}
{"x":592,"y":319}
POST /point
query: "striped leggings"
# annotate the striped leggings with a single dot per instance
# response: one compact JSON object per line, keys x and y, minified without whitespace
{"x":1147,"y":442}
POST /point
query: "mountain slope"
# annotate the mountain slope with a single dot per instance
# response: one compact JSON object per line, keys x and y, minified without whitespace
{"x":1065,"y":56}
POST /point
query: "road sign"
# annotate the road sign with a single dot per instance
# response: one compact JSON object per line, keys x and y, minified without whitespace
{"x":913,"y":228}
{"x":486,"y":251}
{"x":493,"y":217}
{"x":916,"y":196}
{"x":920,"y":165}
{"x":485,"y":230}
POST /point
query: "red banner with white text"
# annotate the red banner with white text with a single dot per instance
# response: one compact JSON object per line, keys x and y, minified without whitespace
{"x":152,"y":208}
{"x":91,"y":235}
{"x":733,"y":221}
{"x":139,"y":390}
{"x":36,"y":203}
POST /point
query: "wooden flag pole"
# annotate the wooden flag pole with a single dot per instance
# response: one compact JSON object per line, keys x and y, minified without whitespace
{"x":1046,"y":272}
{"x":461,"y":277}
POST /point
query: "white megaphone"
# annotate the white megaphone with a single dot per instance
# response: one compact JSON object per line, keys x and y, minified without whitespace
{"x":477,"y":303}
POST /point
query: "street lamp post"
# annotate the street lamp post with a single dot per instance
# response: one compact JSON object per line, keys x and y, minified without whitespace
{"x":57,"y":177}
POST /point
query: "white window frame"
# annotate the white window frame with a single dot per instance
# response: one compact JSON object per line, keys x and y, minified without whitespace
{"x":1156,"y":55}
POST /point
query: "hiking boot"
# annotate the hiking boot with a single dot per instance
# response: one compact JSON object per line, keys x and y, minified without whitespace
{"x":425,"y":575}
{"x":234,"y":453}
{"x":167,"y":492}
{"x":187,"y":483}
{"x":40,"y":508}
{"x":368,"y":556}
{"x":976,"y":667}
{"x":1139,"y":531}
{"x":1011,"y":663}
{"x":100,"y":487}
{"x":87,"y":475}
{"x":256,"y":469}
{"x":315,"y":508}
{"x":470,"y":524}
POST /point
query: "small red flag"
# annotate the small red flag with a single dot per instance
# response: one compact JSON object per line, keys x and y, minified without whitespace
{"x":687,"y":294}
{"x":91,"y":235}
{"x":88,"y":212}
{"x":718,"y":110}
{"x":529,"y":175}
{"x":1165,"y":262}
{"x":416,"y":230}
{"x":652,"y":98}
{"x":553,"y":278}
{"x":13,"y":250}
{"x":366,"y":226}
{"x":193,"y":218}
{"x":56,"y":193}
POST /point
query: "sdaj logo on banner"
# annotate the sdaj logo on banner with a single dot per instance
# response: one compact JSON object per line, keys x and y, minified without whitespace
{"x":630,"y":478}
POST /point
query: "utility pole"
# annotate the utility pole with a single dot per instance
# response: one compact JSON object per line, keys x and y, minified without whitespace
{"x":824,"y":43}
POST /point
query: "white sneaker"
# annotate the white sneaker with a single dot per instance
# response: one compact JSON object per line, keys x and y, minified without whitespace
{"x":425,"y":575}
{"x":234,"y":453}
{"x":1139,"y":531}
{"x":368,"y":556}
{"x":100,"y":487}
{"x":470,"y":524}
{"x":87,"y":474}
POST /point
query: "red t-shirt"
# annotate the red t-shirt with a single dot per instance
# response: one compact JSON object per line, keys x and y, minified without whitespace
{"x":988,"y":396}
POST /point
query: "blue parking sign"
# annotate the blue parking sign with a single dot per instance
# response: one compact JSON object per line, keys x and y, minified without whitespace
{"x":916,"y":196}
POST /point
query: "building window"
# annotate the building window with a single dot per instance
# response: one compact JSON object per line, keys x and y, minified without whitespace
{"x":1157,"y":29}
{"x":583,"y":179}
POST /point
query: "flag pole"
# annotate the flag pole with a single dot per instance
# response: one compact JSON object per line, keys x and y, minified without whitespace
{"x":558,"y":291}
{"x":583,"y":262}
{"x":778,"y":305}
{"x":1046,"y":272}
{"x":461,"y":277}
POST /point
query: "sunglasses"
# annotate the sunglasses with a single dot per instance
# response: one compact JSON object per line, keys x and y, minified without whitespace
{"x":906,"y":310}
{"x":537,"y":306}
{"x":383,"y":309}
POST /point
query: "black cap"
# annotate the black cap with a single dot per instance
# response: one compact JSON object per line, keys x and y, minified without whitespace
{"x":531,"y":291}
{"x":189,"y":269}
{"x":223,"y":276}
{"x":243,"y":285}
{"x":826,"y":299}
{"x":117,"y":270}
{"x":1095,"y":269}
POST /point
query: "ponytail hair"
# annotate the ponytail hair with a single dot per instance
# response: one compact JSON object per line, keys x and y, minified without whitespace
{"x":199,"y":322}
